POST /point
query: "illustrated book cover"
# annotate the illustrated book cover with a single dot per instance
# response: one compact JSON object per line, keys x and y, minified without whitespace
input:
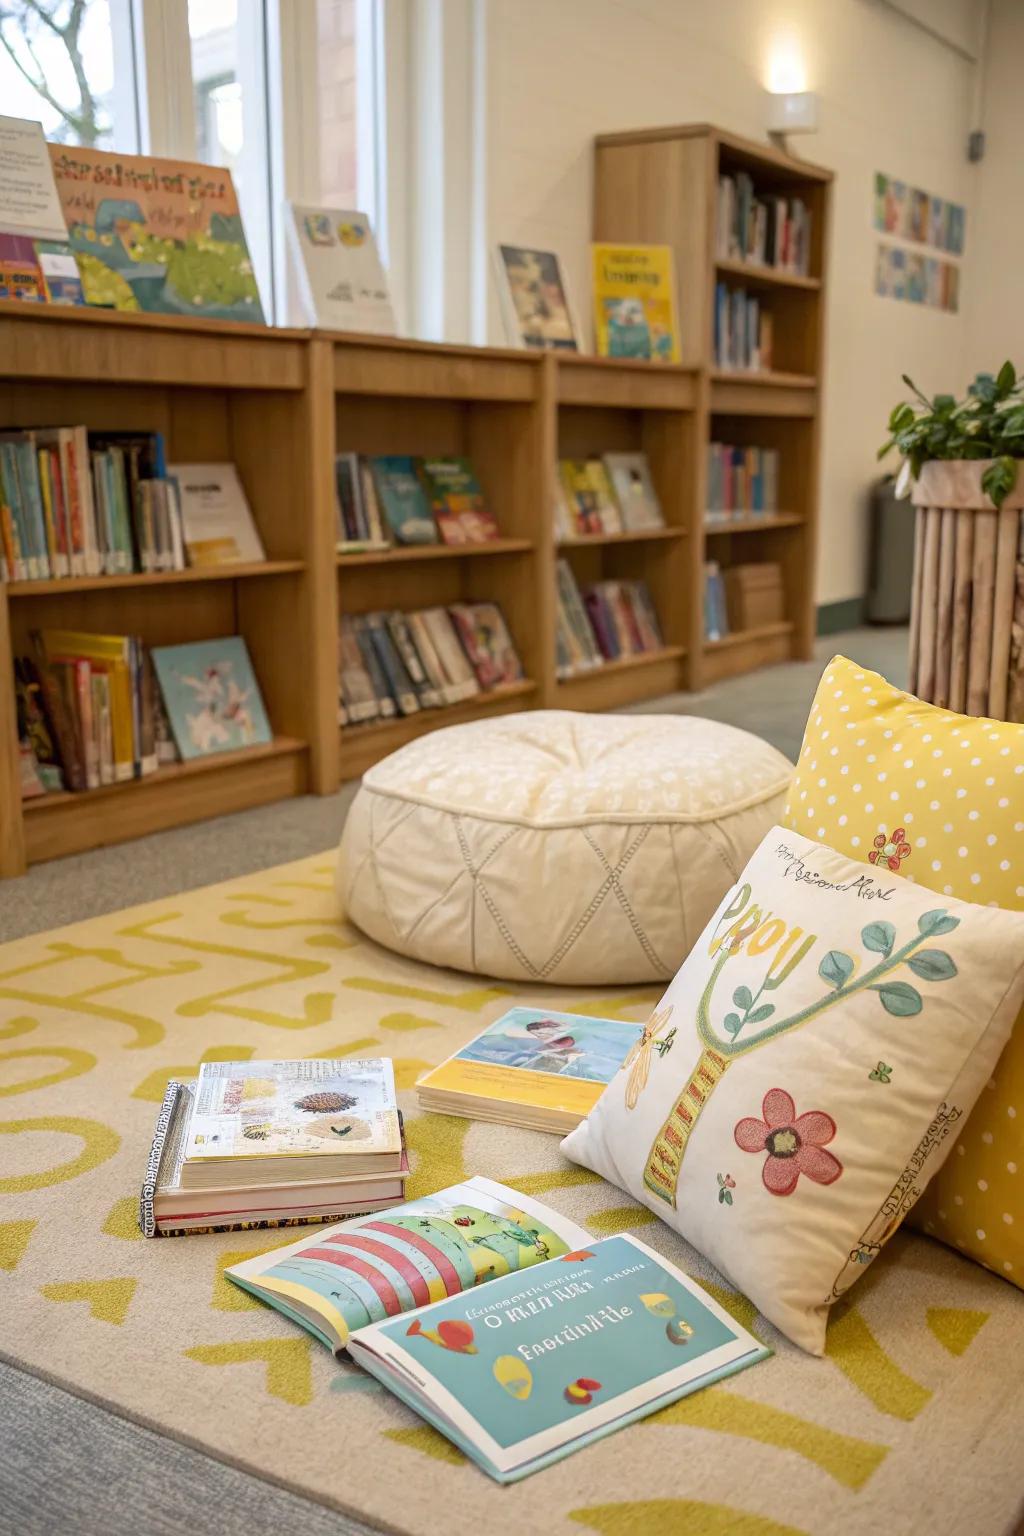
{"x":630,"y":475}
{"x":211,"y":695}
{"x":403,"y":499}
{"x":635,"y":315}
{"x":162,"y":236}
{"x":216,"y":516}
{"x":535,"y":299}
{"x":266,"y":1121}
{"x":457,"y":502}
{"x":532,"y":1067}
{"x":487,"y":643}
{"x":36,"y":262}
{"x":344,"y":285}
{"x":596,"y":1335}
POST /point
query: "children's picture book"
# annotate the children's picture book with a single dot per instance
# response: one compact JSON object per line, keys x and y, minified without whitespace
{"x":457,"y":502}
{"x":36,"y":262}
{"x":163,"y":236}
{"x":168,"y":1209}
{"x":532,"y":1067}
{"x":263,"y":1121}
{"x":535,"y":299}
{"x":211,"y":696}
{"x":597,"y":1335}
{"x":634,"y":289}
{"x":630,"y":475}
{"x":403,"y":499}
{"x":216,"y":516}
{"x":588,"y":498}
{"x":344,"y":286}
{"x":487,"y":643}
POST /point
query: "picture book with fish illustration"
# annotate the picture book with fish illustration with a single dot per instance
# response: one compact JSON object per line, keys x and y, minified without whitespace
{"x":516,"y":1369}
{"x":532,"y":1067}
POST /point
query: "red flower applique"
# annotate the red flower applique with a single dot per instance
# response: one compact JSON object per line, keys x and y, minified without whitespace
{"x":890,"y":850}
{"x":795,"y":1144}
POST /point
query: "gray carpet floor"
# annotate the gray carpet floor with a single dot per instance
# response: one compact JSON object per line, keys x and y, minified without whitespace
{"x":67,"y":1464}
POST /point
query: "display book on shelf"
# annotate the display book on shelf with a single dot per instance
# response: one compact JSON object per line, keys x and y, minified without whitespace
{"x":610,"y":494}
{"x":99,"y":709}
{"x":404,"y":499}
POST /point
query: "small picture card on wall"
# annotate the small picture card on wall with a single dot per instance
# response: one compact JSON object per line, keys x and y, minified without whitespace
{"x":907,"y":213}
{"x":914,"y":278}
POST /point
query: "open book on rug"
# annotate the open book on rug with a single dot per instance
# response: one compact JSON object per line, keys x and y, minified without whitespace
{"x":519,"y":1374}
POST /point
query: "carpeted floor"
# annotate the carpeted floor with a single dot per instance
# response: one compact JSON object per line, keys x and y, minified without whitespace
{"x":911,"y":1423}
{"x":772,"y":703}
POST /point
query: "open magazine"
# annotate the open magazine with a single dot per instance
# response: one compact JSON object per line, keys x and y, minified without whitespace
{"x":536,"y":1365}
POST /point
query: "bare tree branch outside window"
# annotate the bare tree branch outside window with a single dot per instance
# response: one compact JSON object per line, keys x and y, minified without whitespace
{"x":22,"y":24}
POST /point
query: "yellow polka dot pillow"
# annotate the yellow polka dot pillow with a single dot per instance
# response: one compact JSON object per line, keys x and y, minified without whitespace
{"x":807,"y":1070}
{"x":938,"y":797}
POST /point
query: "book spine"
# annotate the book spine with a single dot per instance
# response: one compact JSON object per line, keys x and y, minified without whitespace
{"x":399,"y":682}
{"x":147,"y":1218}
{"x":385,"y":701}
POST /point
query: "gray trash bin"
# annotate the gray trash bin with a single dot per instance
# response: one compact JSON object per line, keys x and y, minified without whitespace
{"x":891,"y":559}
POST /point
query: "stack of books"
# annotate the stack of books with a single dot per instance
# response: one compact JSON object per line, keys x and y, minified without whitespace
{"x":606,"y":621}
{"x":80,"y":503}
{"x":743,"y":331}
{"x":103,"y":709}
{"x":274,"y":1143}
{"x":742,"y":482}
{"x":406,"y":499}
{"x":398,"y":663}
{"x":607,"y":495}
{"x":766,"y":231}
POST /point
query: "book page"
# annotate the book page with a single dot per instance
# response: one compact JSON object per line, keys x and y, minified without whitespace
{"x":378,"y":1266}
{"x":532,"y":1368}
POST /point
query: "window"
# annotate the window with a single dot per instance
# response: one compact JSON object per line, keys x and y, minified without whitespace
{"x":59,"y":66}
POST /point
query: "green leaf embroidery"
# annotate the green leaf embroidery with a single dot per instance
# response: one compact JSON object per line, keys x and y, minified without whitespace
{"x":760,"y":1014}
{"x":732,"y":1023}
{"x":932,"y":965}
{"x":836,"y":968}
{"x":931,"y":924}
{"x":879,"y":937}
{"x":899,"y":998}
{"x":742,"y":998}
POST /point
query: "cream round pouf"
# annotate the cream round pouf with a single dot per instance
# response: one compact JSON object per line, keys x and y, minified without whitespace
{"x":555,"y":847}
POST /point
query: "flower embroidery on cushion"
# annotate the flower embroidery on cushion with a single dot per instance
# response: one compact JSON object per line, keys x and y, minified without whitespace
{"x":890,"y":850}
{"x":795,"y":1144}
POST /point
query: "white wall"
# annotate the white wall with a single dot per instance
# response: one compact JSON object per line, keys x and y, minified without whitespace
{"x":892,"y":99}
{"x":995,"y":309}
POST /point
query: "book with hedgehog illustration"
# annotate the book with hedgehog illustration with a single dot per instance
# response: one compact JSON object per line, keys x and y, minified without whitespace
{"x":501,"y":1322}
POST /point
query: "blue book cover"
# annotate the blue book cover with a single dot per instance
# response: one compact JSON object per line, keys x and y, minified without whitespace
{"x":403,"y":499}
{"x":526,"y":1370}
{"x":212,"y":697}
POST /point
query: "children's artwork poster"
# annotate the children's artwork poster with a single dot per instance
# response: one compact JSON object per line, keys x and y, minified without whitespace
{"x":163,"y":236}
{"x":907,"y":213}
{"x":914,"y":278}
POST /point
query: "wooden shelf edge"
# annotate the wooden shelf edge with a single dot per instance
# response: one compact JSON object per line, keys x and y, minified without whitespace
{"x":58,"y":585}
{"x":363,"y":745}
{"x":756,"y":524}
{"x":403,"y":554}
{"x":625,"y":664}
{"x":766,"y":378}
{"x":746,"y":636}
{"x":767,"y":276}
{"x":218,"y":762}
{"x":631,"y":536}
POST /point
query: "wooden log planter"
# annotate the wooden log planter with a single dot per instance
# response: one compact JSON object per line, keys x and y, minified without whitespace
{"x":967,"y":615}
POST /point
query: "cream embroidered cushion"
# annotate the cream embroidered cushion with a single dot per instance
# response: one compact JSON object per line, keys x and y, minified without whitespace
{"x":807,"y":1071}
{"x":557,"y":847}
{"x":939,"y":796}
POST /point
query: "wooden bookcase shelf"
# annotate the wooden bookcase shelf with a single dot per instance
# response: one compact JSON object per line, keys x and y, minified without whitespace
{"x":660,"y":185}
{"x":282,"y":404}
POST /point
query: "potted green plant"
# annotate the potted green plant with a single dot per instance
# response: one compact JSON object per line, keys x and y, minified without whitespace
{"x":984,"y":432}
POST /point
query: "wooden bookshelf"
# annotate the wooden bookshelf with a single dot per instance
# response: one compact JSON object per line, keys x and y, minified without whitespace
{"x":660,"y":185}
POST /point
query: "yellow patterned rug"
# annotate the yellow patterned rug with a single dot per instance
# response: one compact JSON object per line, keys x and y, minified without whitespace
{"x":912,"y":1423}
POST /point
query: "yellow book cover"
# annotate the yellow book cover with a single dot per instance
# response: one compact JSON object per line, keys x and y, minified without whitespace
{"x":635,"y":302}
{"x":111,"y":653}
{"x":534,"y":1060}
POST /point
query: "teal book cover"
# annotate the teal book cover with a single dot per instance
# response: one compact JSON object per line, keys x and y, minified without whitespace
{"x":211,"y":695}
{"x":529,"y":1368}
{"x":403,"y":498}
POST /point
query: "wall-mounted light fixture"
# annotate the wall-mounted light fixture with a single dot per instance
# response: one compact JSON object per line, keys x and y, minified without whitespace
{"x":792,"y":108}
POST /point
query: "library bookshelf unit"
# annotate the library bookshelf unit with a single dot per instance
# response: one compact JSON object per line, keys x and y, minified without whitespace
{"x":660,"y":186}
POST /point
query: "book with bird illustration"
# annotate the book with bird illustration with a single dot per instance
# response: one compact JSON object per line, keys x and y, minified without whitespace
{"x":529,"y":1368}
{"x":211,"y":695}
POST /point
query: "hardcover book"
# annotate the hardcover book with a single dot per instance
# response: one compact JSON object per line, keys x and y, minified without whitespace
{"x":535,"y":299}
{"x":212,"y":697}
{"x":265,"y":1122}
{"x":403,"y":499}
{"x":589,"y":497}
{"x":487,"y":642}
{"x":517,"y":1371}
{"x":635,"y":302}
{"x":457,"y":502}
{"x":630,"y":475}
{"x":163,"y":236}
{"x":216,"y":517}
{"x":344,"y":286}
{"x":532,"y":1067}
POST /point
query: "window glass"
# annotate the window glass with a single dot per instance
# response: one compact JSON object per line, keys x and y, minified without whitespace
{"x":337,"y":69}
{"x":57,"y":67}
